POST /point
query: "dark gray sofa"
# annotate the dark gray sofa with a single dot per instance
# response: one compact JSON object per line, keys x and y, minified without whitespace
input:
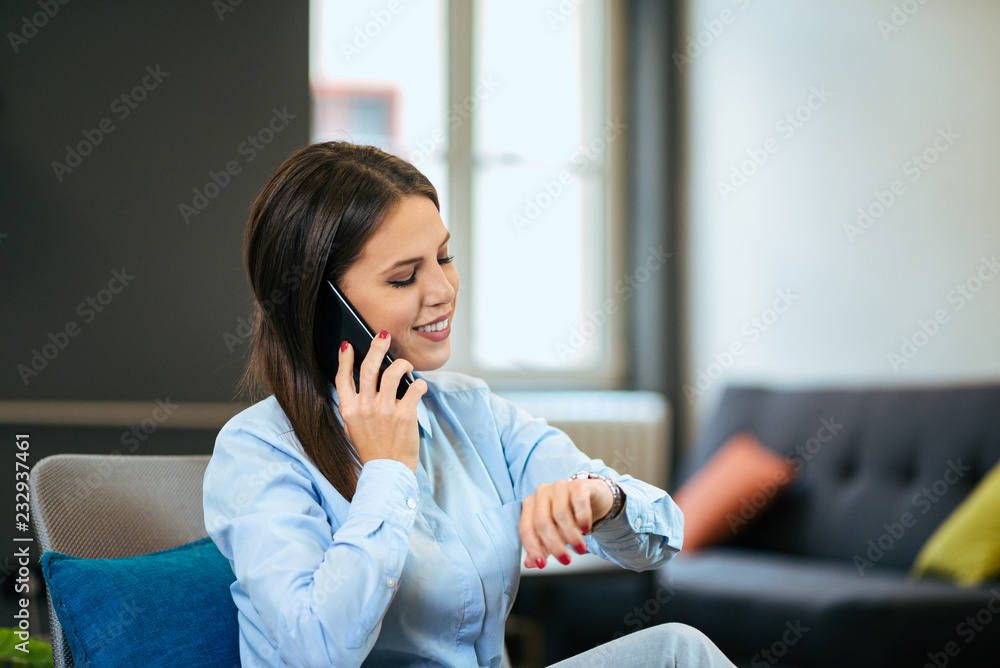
{"x":801,"y":585}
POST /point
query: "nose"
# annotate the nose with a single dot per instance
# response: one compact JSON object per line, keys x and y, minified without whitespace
{"x":440,"y":289}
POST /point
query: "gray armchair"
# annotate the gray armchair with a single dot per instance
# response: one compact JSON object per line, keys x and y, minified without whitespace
{"x":107,"y":506}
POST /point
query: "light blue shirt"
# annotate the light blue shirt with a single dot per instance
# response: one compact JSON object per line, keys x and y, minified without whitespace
{"x":420,"y":568}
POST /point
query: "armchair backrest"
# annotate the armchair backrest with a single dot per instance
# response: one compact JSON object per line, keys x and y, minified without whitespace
{"x":107,"y":506}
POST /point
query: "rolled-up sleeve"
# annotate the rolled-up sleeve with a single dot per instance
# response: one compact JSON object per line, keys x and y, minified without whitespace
{"x":647,"y":533}
{"x":319,"y":592}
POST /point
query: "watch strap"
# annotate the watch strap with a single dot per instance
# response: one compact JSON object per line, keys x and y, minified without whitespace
{"x":618,"y":498}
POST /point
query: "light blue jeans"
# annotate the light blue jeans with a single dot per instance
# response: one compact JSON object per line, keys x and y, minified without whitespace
{"x":670,"y":645}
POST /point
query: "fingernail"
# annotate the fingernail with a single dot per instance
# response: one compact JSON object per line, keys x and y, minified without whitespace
{"x":584,"y":530}
{"x":564,"y":559}
{"x":384,"y":334}
{"x":580,"y":549}
{"x":540,"y":562}
{"x":343,"y":346}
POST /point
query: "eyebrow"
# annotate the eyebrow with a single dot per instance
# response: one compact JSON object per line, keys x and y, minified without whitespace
{"x":413,"y":260}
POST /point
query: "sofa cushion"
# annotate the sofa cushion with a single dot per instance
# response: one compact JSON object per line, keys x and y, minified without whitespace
{"x":878,"y":469}
{"x":169,"y":608}
{"x":966,"y":547}
{"x":762,"y":607}
{"x":732,"y":489}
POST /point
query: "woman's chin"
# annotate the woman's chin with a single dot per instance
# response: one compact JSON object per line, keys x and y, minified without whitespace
{"x":434,"y":360}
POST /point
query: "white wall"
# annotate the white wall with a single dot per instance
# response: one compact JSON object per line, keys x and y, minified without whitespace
{"x":892,"y":93}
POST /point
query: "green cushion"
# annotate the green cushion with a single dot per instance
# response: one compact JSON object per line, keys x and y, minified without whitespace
{"x":966,"y":547}
{"x":170,"y":608}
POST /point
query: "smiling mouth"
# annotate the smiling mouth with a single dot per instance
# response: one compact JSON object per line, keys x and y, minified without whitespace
{"x":434,"y":327}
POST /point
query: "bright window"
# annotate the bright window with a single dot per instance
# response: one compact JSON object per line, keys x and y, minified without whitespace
{"x":504,"y":106}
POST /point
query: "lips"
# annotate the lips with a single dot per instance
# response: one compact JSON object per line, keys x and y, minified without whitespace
{"x":444,"y":317}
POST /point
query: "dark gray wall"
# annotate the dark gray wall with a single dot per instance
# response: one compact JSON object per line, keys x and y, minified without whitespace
{"x":159,"y":334}
{"x":219,"y":81}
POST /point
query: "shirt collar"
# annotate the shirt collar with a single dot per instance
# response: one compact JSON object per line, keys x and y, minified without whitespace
{"x":423,"y":418}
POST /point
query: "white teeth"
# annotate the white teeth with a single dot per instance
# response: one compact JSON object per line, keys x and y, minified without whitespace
{"x":436,"y":327}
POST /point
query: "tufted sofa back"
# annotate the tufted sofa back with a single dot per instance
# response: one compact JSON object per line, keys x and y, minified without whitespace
{"x":878,"y":468}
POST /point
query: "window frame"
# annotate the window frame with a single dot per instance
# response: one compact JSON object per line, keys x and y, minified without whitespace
{"x":611,"y":372}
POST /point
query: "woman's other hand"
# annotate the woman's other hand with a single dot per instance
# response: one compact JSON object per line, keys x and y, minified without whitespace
{"x":559,"y":514}
{"x":379,"y":425}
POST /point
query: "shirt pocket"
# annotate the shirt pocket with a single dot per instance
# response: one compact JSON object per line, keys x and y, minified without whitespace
{"x":501,"y":525}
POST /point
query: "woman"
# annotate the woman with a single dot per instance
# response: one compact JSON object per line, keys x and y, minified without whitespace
{"x":366,"y":528}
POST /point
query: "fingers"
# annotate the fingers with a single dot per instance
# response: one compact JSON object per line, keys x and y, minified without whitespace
{"x":379,"y":425}
{"x":536,"y":554}
{"x":547,"y":532}
{"x":372,"y":362}
{"x":556,"y":515}
{"x":345,"y":372}
{"x":416,"y":390}
{"x":391,"y":377}
{"x":583,"y":511}
{"x":567,"y":528}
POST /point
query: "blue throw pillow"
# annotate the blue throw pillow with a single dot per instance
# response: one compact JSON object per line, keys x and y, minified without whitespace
{"x":170,"y":608}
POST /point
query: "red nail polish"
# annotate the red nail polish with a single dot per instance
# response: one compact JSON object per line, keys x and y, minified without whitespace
{"x":540,"y":562}
{"x":564,"y":559}
{"x":343,"y":346}
{"x":384,"y":334}
{"x":580,"y":549}
{"x":584,"y":530}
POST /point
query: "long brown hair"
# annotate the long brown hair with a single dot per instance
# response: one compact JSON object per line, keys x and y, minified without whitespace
{"x":310,"y":223}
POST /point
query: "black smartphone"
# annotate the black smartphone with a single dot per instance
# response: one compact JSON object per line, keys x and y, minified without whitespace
{"x":338,"y":321}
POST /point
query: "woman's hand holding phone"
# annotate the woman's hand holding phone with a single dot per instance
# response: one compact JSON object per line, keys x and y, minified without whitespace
{"x":379,"y":425}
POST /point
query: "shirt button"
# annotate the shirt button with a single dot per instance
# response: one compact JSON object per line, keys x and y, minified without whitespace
{"x":390,"y":582}
{"x":638,"y":523}
{"x":411,"y":503}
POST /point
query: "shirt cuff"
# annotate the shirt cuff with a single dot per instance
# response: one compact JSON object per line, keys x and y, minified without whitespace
{"x":387,"y":489}
{"x":630,"y":519}
{"x":640,"y":516}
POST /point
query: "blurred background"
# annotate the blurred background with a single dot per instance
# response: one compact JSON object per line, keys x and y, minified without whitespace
{"x":643,"y":195}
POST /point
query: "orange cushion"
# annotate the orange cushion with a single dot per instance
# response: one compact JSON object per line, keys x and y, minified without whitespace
{"x":741,"y":480}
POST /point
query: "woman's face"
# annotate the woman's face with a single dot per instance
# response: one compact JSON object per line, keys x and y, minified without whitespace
{"x":411,"y":244}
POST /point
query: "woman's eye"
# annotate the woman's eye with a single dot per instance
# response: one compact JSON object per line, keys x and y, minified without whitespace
{"x":413,"y":276}
{"x":403,"y":284}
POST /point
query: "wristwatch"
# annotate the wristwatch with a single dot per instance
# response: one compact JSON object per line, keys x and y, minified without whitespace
{"x":616,"y":494}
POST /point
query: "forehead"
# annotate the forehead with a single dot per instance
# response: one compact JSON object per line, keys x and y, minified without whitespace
{"x":408,"y":228}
